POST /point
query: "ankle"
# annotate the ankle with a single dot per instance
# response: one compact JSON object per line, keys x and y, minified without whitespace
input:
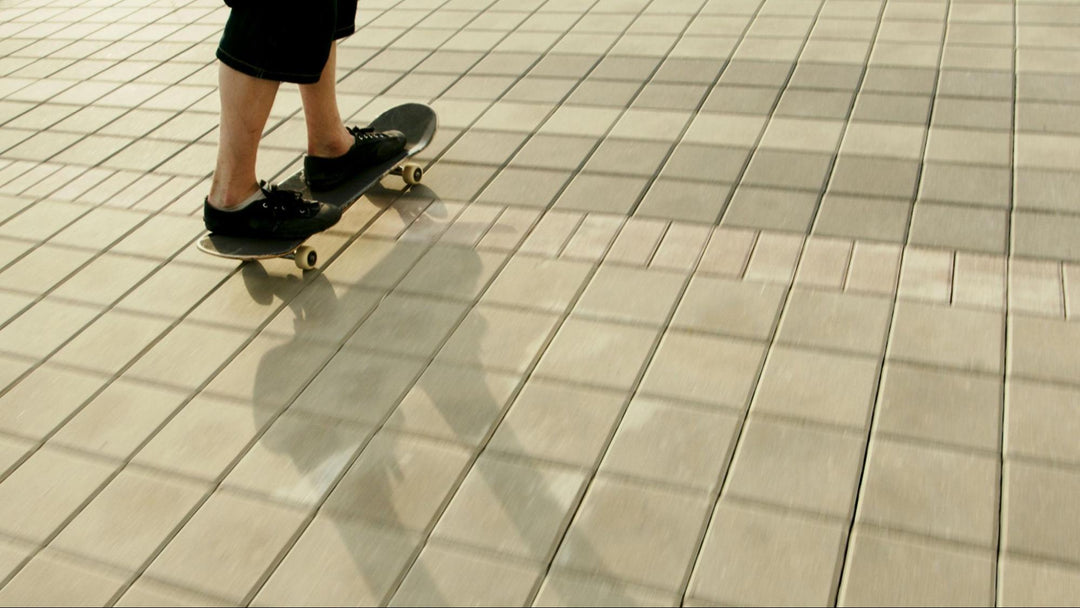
{"x":331,"y":146}
{"x":228,"y":198}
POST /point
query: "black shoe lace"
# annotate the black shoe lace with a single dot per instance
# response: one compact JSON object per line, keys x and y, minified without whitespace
{"x":287,"y":203}
{"x":367,"y":134}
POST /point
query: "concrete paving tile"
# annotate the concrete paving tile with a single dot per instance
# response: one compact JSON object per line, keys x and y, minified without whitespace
{"x":886,"y":569}
{"x":748,"y":550}
{"x":554,"y":152}
{"x":566,"y":588}
{"x":883,"y":140}
{"x":53,"y":579}
{"x":188,"y":355}
{"x":930,"y":491}
{"x":44,"y":327}
{"x":46,"y":490}
{"x":1026,"y":582}
{"x":1038,"y":517}
{"x":111,"y":342}
{"x":705,"y":163}
{"x":339,"y":562}
{"x":815,"y":135}
{"x":706,"y":369}
{"x":927,"y":274}
{"x":297,"y":459}
{"x":740,"y":99}
{"x":559,"y":423}
{"x":204,"y":437}
{"x":636,"y":241}
{"x":955,"y":227}
{"x":1036,"y":287}
{"x":452,"y":272}
{"x":680,"y":200}
{"x":514,"y":507}
{"x":452,"y":576}
{"x":399,"y":481}
{"x":824,"y":262}
{"x":148,"y":592}
{"x":1040,"y":421}
{"x":524,"y":187}
{"x":960,"y":409}
{"x":728,"y":251}
{"x":828,"y":388}
{"x":1043,"y":349}
{"x":630,"y":295}
{"x":775,"y":257}
{"x":843,"y":321}
{"x":968,"y":146}
{"x":204,"y":555}
{"x":130,"y":518}
{"x":407,"y":325}
{"x":497,"y":338}
{"x":795,"y":465}
{"x":826,"y":75}
{"x":12,"y":554}
{"x":597,"y":353}
{"x":786,"y":169}
{"x":983,"y":84}
{"x":1045,"y":189}
{"x":538,"y":283}
{"x":1042,"y":235}
{"x":634,"y":533}
{"x":724,"y":130}
{"x":359,"y":386}
{"x":593,"y":237}
{"x":965,"y":184}
{"x":808,"y":103}
{"x":602,"y":193}
{"x":627,"y":157}
{"x":664,"y":442}
{"x":44,"y":399}
{"x":745,"y":309}
{"x":979,"y":280}
{"x":948,"y":337}
{"x":872,"y":176}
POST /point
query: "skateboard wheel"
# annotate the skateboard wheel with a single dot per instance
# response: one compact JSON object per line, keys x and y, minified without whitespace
{"x":305,"y":257}
{"x":412,"y":173}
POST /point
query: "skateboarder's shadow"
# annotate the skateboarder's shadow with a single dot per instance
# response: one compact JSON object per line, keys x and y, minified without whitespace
{"x":381,"y":487}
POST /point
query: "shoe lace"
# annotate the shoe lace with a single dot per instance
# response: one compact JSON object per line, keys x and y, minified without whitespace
{"x":366,"y":134}
{"x":287,"y":203}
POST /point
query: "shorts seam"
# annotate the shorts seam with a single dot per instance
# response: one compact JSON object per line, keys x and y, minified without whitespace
{"x":263,"y":73}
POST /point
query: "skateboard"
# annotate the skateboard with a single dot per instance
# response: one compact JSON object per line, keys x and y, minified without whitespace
{"x":417,"y":121}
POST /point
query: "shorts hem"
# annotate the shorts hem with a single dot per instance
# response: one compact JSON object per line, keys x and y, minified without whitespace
{"x":257,"y":72}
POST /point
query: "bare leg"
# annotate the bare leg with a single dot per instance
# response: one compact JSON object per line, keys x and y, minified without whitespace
{"x":327,"y":136}
{"x":245,"y":107}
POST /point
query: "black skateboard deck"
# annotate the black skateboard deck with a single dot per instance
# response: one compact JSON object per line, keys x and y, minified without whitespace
{"x":417,"y":121}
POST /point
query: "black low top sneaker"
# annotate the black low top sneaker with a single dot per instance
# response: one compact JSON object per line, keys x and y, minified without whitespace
{"x":281,"y":214}
{"x":370,"y":147}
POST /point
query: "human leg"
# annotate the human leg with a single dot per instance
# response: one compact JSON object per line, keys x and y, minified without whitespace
{"x":245,"y":107}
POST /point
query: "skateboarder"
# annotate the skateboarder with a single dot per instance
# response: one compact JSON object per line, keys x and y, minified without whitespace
{"x":266,"y":43}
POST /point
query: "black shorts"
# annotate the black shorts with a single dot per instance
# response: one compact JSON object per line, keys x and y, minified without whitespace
{"x":285,"y":41}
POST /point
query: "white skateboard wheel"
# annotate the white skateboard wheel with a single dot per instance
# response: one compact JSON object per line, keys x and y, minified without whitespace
{"x":412,"y":173}
{"x":305,"y":257}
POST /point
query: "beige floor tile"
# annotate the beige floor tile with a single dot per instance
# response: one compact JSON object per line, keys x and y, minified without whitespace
{"x":373,"y":263}
{"x":707,"y":369}
{"x":957,"y":338}
{"x":565,"y":588}
{"x":43,"y":399}
{"x":444,"y":576}
{"x":339,"y":563}
{"x":745,"y":309}
{"x":45,"y":490}
{"x":11,"y":450}
{"x":538,"y":283}
{"x":1044,"y":349}
{"x":188,"y":355}
{"x":592,"y":352}
{"x":1042,"y":421}
{"x":270,"y":371}
{"x":298,"y":458}
{"x":893,"y":571}
{"x":681,"y":247}
{"x":44,"y":327}
{"x":53,"y":580}
{"x":842,"y":321}
{"x":830,"y":388}
{"x":635,"y":533}
{"x":111,"y":342}
{"x":119,"y":419}
{"x":398,"y":481}
{"x":147,"y":592}
{"x":632,"y":295}
{"x":493,"y":337}
{"x":408,"y":325}
{"x":960,"y":409}
{"x":669,"y":443}
{"x":172,"y":290}
{"x":516,"y":507}
{"x":459,"y":404}
{"x":227,"y":546}
{"x":12,"y":554}
{"x":452,"y":272}
{"x":42,"y":268}
{"x":793,"y":465}
{"x":359,"y":386}
{"x":929,"y":491}
{"x":205,"y":437}
{"x":1025,"y":582}
{"x":753,"y":556}
{"x":130,"y":518}
{"x":1039,"y":511}
{"x":728,"y":251}
{"x":551,"y":421}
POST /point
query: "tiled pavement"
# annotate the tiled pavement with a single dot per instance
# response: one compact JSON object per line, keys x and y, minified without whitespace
{"x":703,"y":301}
